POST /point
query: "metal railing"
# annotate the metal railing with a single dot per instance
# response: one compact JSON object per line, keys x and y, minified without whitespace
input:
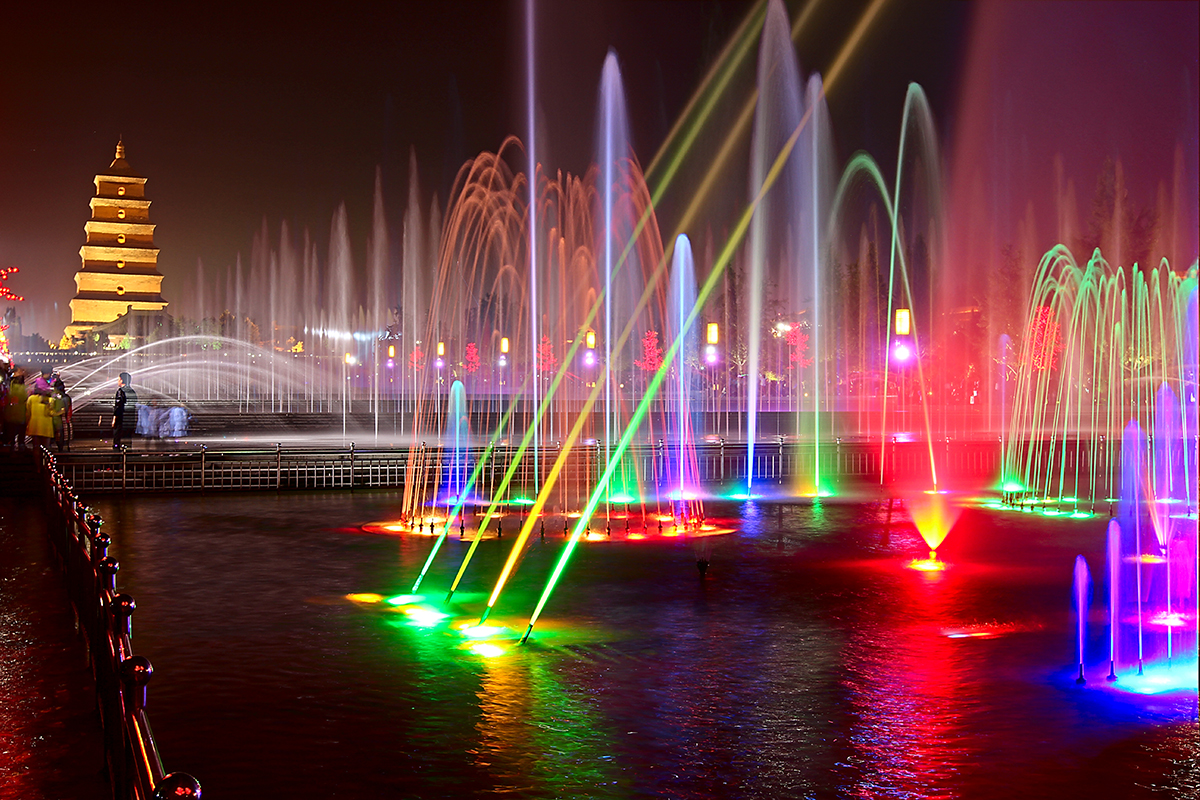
{"x":105,"y":615}
{"x":716,"y":463}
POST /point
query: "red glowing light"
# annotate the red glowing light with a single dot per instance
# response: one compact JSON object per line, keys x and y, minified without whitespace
{"x":5,"y":292}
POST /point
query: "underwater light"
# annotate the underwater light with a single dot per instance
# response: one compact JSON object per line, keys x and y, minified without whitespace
{"x":621,"y":497}
{"x":487,"y":649}
{"x":1169,"y":619}
{"x":405,"y":599}
{"x":364,"y":597}
{"x":931,"y":564}
{"x":479,"y":631}
{"x":1160,"y":679}
{"x":425,"y":617}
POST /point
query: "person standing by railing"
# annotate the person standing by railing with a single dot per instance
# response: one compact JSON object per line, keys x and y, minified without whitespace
{"x":40,"y":425}
{"x":64,"y":428}
{"x":15,"y":409}
{"x":124,"y":410}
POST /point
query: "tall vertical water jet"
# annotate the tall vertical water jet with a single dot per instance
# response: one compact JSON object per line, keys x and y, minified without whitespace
{"x":681,"y":301}
{"x":774,"y":234}
{"x":618,"y":247}
{"x":1082,"y":584}
{"x":532,"y":231}
{"x":1114,"y":593}
{"x":457,"y":441}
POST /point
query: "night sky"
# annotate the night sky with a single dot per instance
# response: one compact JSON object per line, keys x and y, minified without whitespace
{"x":248,"y":112}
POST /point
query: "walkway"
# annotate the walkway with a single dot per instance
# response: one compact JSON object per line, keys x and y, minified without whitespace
{"x":51,"y":744}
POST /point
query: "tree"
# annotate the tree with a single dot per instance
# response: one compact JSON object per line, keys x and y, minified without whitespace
{"x":546,"y":360}
{"x":651,"y":358}
{"x":471,"y":357}
{"x":798,"y":342}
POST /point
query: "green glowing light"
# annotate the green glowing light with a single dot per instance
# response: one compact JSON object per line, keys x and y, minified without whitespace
{"x":521,"y":501}
{"x":622,"y":498}
{"x":1082,"y":515}
{"x":1013,"y":486}
{"x":405,"y":599}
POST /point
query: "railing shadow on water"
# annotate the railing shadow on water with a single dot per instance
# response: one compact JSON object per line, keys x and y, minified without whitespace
{"x":104,"y":614}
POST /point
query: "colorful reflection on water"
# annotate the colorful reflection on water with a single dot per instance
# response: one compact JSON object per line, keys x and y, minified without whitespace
{"x":808,"y":661}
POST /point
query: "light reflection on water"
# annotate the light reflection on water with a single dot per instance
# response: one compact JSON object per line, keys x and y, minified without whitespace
{"x":808,"y":663}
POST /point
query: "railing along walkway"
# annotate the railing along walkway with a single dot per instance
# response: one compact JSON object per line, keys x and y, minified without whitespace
{"x":135,"y":767}
{"x":714,"y":464}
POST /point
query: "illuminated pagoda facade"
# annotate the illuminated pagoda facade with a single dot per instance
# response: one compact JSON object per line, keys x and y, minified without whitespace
{"x":119,"y":274}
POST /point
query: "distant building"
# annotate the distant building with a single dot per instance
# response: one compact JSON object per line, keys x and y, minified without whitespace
{"x":120,"y":262}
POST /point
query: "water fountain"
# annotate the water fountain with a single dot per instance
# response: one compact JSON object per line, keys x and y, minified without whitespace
{"x":538,"y":356}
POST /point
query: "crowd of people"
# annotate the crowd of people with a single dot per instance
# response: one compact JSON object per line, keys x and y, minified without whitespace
{"x":39,"y":411}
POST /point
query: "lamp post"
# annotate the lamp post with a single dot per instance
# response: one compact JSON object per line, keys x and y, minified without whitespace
{"x":347,"y":362}
{"x":712,"y":339}
{"x":903,"y":352}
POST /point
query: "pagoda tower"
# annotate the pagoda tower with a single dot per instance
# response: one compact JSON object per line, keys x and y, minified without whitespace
{"x":120,"y":262}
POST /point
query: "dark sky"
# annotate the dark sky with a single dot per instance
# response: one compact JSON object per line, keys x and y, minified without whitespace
{"x":240,"y":113}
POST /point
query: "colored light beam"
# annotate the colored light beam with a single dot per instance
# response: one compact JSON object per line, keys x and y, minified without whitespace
{"x":515,"y":462}
{"x":718,"y":270}
{"x":543,"y":496}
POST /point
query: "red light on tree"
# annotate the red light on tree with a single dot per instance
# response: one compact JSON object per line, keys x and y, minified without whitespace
{"x":5,"y":292}
{"x":416,"y":358}
{"x":471,"y":357}
{"x":651,"y":358}
{"x":1046,"y":339}
{"x":545,"y":356}
{"x":798,"y":342}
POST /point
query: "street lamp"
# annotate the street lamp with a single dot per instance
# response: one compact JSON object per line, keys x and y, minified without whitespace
{"x":348,"y":361}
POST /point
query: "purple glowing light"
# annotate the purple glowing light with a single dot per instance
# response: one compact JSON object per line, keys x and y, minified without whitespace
{"x":903,"y":352}
{"x":710,"y":354}
{"x":589,"y":358}
{"x":439,"y":363}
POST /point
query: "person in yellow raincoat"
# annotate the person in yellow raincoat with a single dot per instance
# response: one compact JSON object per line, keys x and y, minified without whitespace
{"x":40,"y":426}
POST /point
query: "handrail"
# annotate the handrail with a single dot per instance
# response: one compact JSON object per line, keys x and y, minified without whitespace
{"x":105,"y":615}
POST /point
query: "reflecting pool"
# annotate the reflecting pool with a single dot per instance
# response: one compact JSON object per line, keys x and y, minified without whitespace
{"x":807,"y":661}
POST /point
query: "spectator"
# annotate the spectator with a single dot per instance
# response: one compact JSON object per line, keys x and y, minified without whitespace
{"x":124,"y":411}
{"x":66,"y":428}
{"x":40,"y":425}
{"x":15,"y":409}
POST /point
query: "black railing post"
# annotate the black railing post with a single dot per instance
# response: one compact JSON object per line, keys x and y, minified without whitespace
{"x":278,"y":465}
{"x":136,"y":672}
{"x":203,"y":458}
{"x":122,"y":610}
{"x":107,"y":571}
{"x":352,"y":466}
{"x":177,"y":785}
